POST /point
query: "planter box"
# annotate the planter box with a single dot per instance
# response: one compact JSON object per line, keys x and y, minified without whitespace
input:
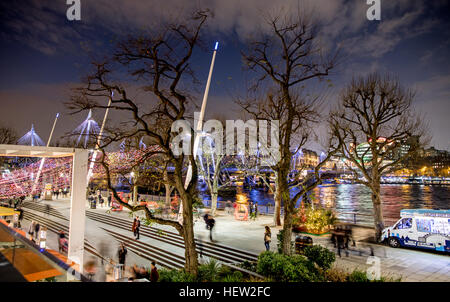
{"x":304,"y":230}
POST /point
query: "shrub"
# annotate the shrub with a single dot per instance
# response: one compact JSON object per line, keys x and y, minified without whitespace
{"x":335,"y":275}
{"x":208,"y":272}
{"x":323,"y":257}
{"x":175,"y":276}
{"x":236,"y":276}
{"x":211,"y":271}
{"x":251,"y":266}
{"x":224,"y":271}
{"x":360,"y":276}
{"x":279,"y":267}
{"x":357,"y":276}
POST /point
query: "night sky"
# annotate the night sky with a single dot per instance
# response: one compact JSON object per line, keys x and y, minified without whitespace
{"x":43,"y":54}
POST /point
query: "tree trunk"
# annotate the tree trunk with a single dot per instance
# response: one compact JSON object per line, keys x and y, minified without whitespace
{"x":135,"y":193}
{"x":377,"y":210}
{"x":287,"y":230}
{"x":277,"y":210}
{"x":287,"y":223}
{"x":168,"y":188}
{"x":214,"y":195}
{"x":168,"y":193}
{"x":191,"y":264}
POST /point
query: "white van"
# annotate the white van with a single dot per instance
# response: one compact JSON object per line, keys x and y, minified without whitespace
{"x":421,"y":228}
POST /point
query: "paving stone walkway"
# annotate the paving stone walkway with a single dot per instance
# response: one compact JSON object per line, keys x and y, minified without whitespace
{"x":407,"y":264}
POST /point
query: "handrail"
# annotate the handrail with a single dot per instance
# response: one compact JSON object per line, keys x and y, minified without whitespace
{"x":53,"y":258}
{"x":243,"y":270}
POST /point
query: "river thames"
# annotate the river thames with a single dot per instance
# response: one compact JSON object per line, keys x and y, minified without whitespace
{"x":346,"y":199}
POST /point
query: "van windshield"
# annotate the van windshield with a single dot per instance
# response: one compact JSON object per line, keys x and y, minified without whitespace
{"x":405,"y":223}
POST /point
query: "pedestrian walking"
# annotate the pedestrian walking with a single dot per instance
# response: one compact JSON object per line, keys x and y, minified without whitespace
{"x":138,"y":228}
{"x":133,"y":227}
{"x":205,"y":218}
{"x":255,"y":209}
{"x":109,"y":199}
{"x":90,"y":269}
{"x":37,"y":227}
{"x":339,"y":236}
{"x":154,"y":275}
{"x":229,"y":207}
{"x":122,"y":253}
{"x":31,"y":229}
{"x":267,"y":238}
{"x":63,"y":245}
{"x":210,"y":224}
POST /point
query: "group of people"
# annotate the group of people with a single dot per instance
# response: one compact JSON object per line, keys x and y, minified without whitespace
{"x":143,"y":273}
{"x":341,"y":237}
{"x":33,"y":230}
{"x":63,"y":192}
{"x":137,"y":272}
{"x":36,"y":196}
{"x":15,"y":202}
{"x":97,"y":198}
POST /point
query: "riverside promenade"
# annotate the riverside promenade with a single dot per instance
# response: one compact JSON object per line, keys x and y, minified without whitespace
{"x":234,"y":241}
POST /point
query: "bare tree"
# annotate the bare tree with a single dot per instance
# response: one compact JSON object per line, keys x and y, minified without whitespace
{"x":212,"y":168}
{"x":285,"y":59}
{"x":160,"y":62}
{"x":377,"y":131}
{"x":7,"y":135}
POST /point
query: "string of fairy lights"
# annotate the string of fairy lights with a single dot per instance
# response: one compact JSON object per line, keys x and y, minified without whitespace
{"x":19,"y":180}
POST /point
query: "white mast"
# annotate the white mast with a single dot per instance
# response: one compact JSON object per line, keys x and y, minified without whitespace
{"x":199,"y":128}
{"x":36,"y":180}
{"x":99,"y":139}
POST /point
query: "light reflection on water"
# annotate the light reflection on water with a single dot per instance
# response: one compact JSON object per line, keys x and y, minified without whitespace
{"x":354,"y":198}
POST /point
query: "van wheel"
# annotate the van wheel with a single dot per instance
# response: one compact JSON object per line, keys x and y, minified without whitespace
{"x":393,"y":242}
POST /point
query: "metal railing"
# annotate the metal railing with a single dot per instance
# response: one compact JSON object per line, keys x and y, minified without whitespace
{"x":44,"y":253}
{"x":352,"y":217}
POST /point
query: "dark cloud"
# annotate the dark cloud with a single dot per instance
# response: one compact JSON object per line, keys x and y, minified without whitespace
{"x":367,"y":46}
